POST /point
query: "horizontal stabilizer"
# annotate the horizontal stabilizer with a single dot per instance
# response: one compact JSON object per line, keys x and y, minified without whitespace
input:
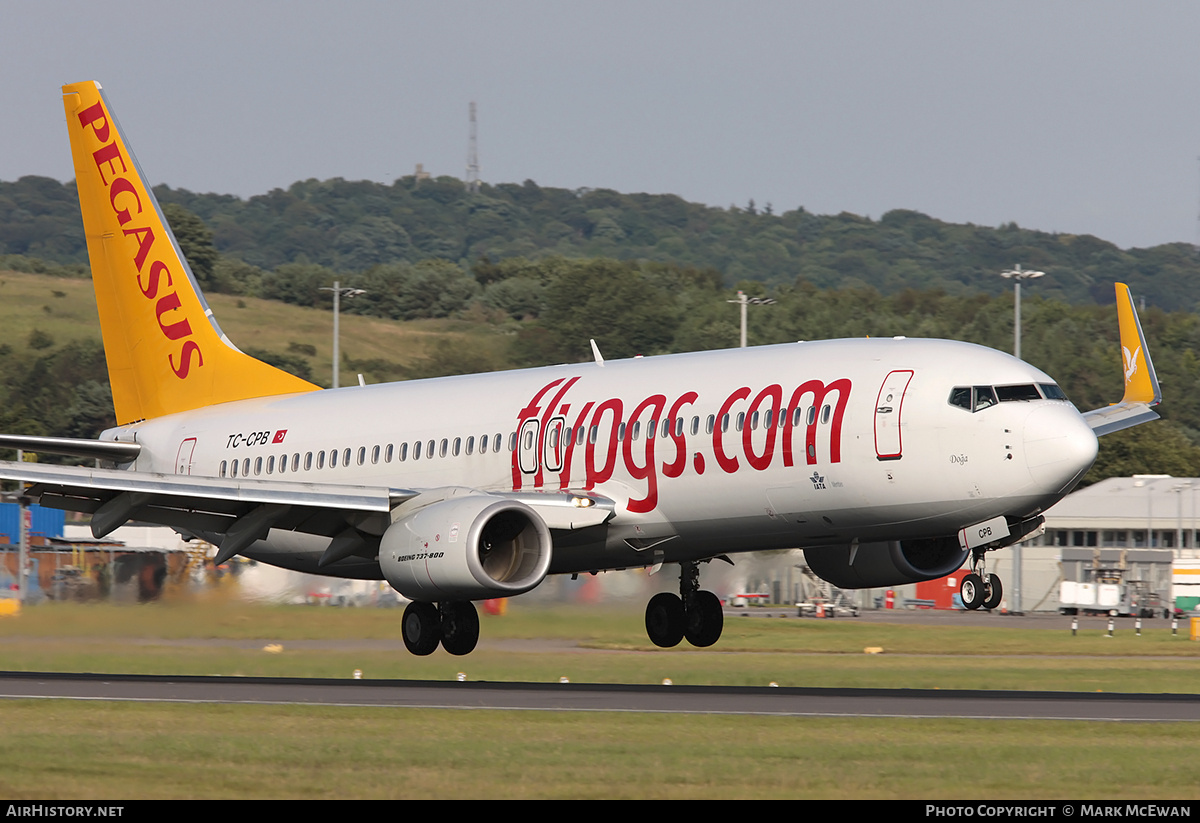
{"x":73,"y":447}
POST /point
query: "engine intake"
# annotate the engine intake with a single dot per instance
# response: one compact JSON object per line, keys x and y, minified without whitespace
{"x":466,"y":548}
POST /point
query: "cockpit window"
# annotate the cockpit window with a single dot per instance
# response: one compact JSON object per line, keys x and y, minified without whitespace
{"x":1052,"y":391}
{"x":976,"y":398}
{"x":961,"y":396}
{"x":1027,"y":391}
{"x":984,"y":397}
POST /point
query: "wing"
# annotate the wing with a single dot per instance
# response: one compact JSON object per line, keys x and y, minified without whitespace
{"x":1141,"y":383}
{"x":243,"y":511}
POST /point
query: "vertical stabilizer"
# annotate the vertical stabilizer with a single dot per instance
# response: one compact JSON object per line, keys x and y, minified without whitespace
{"x":1141,"y":383}
{"x":165,"y":351}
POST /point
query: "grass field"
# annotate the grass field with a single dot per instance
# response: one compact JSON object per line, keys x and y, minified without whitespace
{"x":63,"y":749}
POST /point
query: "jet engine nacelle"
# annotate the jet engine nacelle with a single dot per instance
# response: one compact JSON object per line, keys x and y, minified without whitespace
{"x":893,"y":563}
{"x":466,"y":548}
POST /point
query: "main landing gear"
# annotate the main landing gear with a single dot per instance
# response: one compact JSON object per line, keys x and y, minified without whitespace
{"x":455,"y":625}
{"x":980,"y":589}
{"x":694,"y":614}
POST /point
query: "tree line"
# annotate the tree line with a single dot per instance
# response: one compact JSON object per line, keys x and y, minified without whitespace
{"x":353,"y":226}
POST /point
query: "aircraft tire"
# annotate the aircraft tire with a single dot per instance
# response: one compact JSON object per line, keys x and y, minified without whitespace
{"x":705,"y":620}
{"x":460,"y":627}
{"x":995,"y":592}
{"x":971,"y":591}
{"x":421,"y":628}
{"x":665,"y":620}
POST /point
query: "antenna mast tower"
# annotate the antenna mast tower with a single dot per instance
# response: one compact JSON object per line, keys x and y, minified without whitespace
{"x":473,"y":157}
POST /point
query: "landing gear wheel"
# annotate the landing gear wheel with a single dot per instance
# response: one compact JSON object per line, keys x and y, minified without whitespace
{"x":971,"y":591}
{"x":995,"y":591}
{"x":421,"y":627}
{"x":665,"y":620}
{"x":460,"y":627}
{"x":704,"y":619}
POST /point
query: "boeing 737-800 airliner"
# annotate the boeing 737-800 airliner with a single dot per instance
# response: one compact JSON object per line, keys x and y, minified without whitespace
{"x":888,"y":460}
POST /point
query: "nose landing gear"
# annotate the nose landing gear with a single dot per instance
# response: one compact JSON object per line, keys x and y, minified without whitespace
{"x":980,"y":589}
{"x":694,"y":614}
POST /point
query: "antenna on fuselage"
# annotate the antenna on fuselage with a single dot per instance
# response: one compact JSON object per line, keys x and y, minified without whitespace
{"x":596,"y":353}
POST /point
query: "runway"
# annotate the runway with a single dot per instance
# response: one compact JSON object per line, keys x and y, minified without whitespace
{"x":793,"y":702}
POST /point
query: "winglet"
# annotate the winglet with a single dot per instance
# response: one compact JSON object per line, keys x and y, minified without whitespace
{"x":1141,"y":383}
{"x":164,"y":348}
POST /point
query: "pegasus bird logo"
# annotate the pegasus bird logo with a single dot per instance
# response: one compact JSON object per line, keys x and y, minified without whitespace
{"x":1130,"y":362}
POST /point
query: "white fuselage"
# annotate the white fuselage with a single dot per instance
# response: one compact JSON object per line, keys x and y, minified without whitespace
{"x":862,"y":443}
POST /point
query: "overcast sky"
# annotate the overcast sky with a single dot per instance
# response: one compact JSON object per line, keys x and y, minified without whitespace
{"x":1079,"y":117}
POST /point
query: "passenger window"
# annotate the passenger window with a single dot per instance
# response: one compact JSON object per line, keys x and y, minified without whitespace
{"x":308,"y":461}
{"x":223,"y":469}
{"x":471,"y":444}
{"x":417,"y":450}
{"x":271,"y":464}
{"x":403,"y":455}
{"x":375,"y":454}
{"x":320,"y":460}
{"x":457,"y":445}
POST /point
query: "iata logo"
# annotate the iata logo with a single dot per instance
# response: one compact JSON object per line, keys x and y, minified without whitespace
{"x":126,"y":204}
{"x":818,"y":480}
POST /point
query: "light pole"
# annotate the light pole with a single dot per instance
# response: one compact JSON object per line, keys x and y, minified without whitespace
{"x":338,"y":291}
{"x":744,"y":301}
{"x":1018,"y":274}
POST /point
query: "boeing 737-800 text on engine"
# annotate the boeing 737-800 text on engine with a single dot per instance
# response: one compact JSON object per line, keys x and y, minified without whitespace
{"x":888,"y":460}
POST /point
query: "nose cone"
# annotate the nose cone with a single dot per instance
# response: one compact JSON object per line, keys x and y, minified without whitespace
{"x":1059,"y":447}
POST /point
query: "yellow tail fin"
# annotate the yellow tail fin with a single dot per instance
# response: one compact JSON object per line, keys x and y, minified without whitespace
{"x":165,"y":351}
{"x":1141,"y":383}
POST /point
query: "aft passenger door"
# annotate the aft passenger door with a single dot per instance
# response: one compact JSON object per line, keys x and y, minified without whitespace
{"x":183,"y":460}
